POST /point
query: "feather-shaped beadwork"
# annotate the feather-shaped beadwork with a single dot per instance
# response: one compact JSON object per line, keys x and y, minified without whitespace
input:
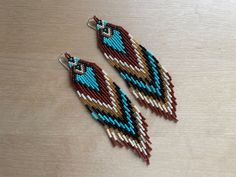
{"x":109,"y":105}
{"x":146,"y":78}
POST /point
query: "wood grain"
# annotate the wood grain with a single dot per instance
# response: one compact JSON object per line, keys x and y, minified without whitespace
{"x":46,"y":132}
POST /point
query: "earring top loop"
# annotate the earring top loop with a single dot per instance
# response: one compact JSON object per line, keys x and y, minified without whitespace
{"x":92,"y":23}
{"x":62,"y":60}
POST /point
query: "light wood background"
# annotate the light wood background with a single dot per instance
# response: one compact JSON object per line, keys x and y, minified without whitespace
{"x":46,"y":132}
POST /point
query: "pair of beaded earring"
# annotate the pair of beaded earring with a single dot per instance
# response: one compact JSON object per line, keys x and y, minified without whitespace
{"x":147,"y":80}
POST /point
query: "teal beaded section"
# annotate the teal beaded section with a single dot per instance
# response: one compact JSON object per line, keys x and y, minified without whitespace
{"x":115,"y":42}
{"x":155,"y":71}
{"x":106,"y":118}
{"x":76,"y":60}
{"x":140,"y":84}
{"x":155,"y":86}
{"x":104,"y":23}
{"x":127,"y":113}
{"x":88,"y":79}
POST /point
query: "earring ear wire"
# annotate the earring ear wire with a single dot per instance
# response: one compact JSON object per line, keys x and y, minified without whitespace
{"x":62,"y":60}
{"x":91,"y":23}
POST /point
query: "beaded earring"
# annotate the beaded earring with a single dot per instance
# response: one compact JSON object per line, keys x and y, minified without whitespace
{"x":146,"y":78}
{"x":109,"y":105}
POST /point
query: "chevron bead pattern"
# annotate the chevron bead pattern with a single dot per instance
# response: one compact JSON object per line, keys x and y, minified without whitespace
{"x":109,"y":105}
{"x":149,"y":82}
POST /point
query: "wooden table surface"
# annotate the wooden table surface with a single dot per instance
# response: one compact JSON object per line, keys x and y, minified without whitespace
{"x":46,"y":132}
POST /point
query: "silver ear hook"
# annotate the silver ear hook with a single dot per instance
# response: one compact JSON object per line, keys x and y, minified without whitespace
{"x":91,"y":23}
{"x":63,"y":60}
